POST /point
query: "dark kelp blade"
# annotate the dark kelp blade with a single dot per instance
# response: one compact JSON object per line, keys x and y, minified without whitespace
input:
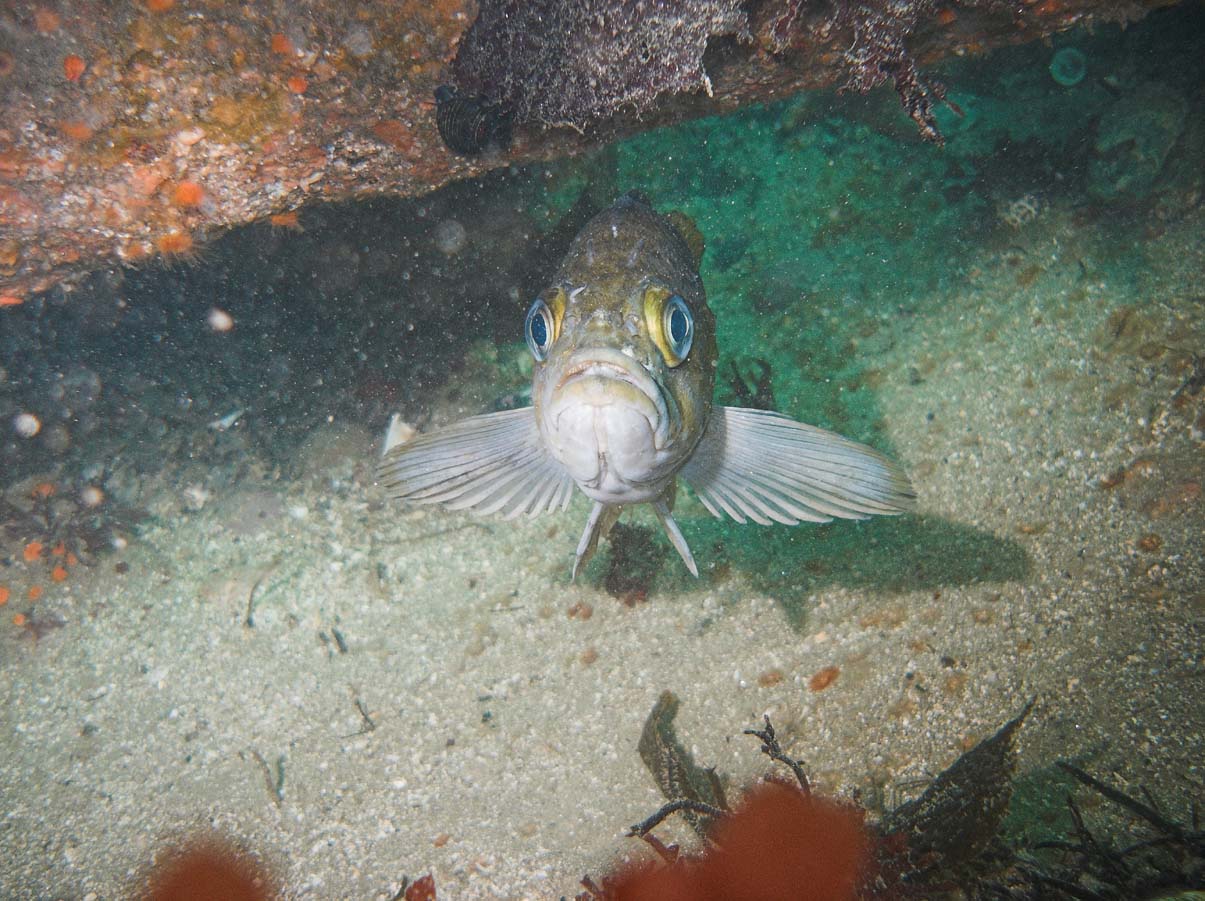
{"x":673,"y":769}
{"x":960,"y":813}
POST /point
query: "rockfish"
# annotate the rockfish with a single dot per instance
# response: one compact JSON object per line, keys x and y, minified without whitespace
{"x":625,"y":363}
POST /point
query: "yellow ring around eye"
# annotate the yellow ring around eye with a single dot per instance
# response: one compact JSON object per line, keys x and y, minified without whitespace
{"x":556,"y":305}
{"x":655,"y":299}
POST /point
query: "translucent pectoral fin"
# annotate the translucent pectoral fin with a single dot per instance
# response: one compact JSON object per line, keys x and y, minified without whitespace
{"x":496,"y":463}
{"x":762,"y":466}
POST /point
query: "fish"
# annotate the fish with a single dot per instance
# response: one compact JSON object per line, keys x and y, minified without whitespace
{"x":625,"y":359}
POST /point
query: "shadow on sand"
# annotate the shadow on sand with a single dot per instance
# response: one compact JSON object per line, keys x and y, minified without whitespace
{"x":893,"y":555}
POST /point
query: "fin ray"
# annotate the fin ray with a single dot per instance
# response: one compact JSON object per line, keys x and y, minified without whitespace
{"x":765,"y":467}
{"x":602,"y":518}
{"x":676,"y":538}
{"x":495,"y":463}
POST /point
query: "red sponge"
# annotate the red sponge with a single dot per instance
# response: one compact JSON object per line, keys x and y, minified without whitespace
{"x":780,"y":845}
{"x":208,"y":870}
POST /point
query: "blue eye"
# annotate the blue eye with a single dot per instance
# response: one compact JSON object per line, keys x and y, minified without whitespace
{"x":679,"y":326}
{"x":537,"y":328}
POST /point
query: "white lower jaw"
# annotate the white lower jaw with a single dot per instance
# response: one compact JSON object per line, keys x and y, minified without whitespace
{"x":604,"y":432}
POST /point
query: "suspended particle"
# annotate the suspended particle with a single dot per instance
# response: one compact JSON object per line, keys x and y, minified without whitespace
{"x":219,"y":320}
{"x":471,"y":125}
{"x":26,"y":425}
{"x":450,"y":237}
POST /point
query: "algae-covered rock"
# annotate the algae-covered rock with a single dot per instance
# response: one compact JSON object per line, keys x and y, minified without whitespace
{"x":1133,"y":139}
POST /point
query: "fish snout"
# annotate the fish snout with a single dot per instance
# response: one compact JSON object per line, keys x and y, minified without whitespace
{"x":607,"y":377}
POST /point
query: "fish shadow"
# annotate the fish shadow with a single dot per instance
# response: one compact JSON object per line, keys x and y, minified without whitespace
{"x":887,"y":555}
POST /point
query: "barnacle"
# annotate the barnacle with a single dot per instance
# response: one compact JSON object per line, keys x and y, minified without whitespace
{"x":471,"y":125}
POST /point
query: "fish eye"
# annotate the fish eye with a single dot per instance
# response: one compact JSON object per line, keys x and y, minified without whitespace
{"x":537,"y":328}
{"x":679,"y":326}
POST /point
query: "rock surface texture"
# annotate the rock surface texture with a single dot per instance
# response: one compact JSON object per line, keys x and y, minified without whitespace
{"x":146,"y":128}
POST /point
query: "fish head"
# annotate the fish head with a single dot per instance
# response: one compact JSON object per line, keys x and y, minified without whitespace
{"x":625,"y":352}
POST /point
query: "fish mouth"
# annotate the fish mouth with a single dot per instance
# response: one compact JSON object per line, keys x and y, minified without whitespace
{"x":607,"y":364}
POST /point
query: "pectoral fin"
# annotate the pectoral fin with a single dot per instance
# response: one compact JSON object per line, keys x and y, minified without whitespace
{"x":762,"y":466}
{"x":496,"y":463}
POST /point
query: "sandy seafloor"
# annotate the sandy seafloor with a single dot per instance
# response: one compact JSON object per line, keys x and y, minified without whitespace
{"x":490,"y":729}
{"x":502,"y":757}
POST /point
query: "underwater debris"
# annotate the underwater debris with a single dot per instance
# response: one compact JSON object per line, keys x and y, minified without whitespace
{"x":635,"y":558}
{"x":675,"y":772}
{"x":957,"y":816}
{"x":1094,"y":868}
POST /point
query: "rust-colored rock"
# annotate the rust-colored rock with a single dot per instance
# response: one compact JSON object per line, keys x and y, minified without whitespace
{"x":270,"y":106}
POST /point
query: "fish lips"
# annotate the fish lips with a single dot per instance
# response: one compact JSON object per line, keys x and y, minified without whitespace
{"x":609,"y":422}
{"x":606,"y":377}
